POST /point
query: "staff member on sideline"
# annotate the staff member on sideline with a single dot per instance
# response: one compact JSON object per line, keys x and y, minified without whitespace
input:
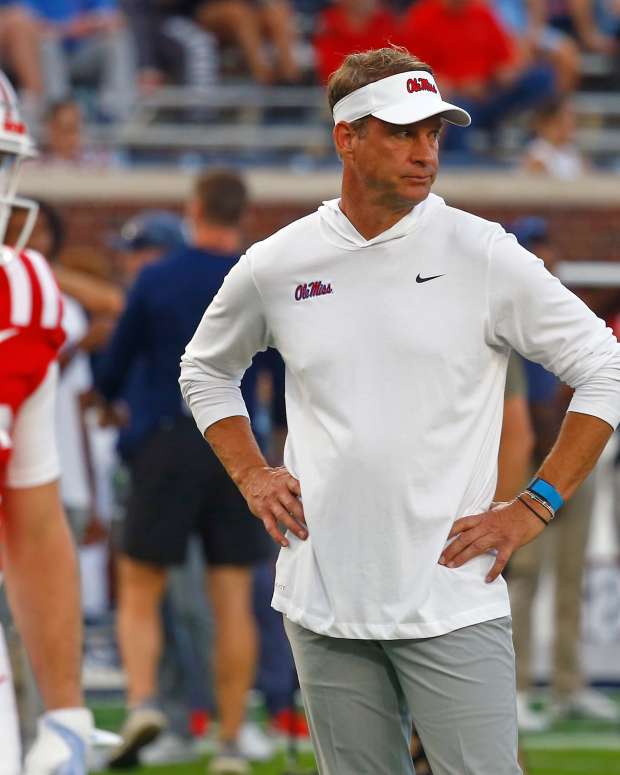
{"x":395,"y":315}
{"x":178,"y":487}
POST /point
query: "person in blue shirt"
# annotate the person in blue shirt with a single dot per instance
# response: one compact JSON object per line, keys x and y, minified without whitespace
{"x":87,"y":41}
{"x":179,"y":487}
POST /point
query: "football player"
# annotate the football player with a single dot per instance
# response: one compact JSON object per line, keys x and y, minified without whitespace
{"x":38,"y":556}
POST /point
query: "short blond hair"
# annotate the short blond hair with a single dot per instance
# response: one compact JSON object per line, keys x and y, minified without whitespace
{"x":359,"y":70}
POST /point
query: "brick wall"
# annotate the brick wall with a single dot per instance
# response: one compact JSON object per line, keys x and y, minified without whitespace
{"x":579,"y":233}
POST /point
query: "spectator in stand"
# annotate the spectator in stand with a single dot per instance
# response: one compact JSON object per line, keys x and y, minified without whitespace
{"x":489,"y":79}
{"x":20,"y":40}
{"x":64,"y":144}
{"x":171,"y":45}
{"x":87,"y":41}
{"x":595,"y":24}
{"x":553,"y":151}
{"x":251,"y":25}
{"x":526,"y":20}
{"x":348,"y":26}
{"x":567,"y":540}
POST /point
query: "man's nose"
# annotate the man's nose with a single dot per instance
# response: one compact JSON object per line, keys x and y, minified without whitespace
{"x":423,"y":151}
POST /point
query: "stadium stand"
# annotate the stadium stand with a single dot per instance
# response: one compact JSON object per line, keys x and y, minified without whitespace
{"x":197,"y":98}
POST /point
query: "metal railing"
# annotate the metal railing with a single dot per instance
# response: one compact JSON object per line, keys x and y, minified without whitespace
{"x":247,"y":117}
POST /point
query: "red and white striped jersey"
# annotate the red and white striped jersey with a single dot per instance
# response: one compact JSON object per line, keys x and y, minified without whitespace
{"x":30,"y":335}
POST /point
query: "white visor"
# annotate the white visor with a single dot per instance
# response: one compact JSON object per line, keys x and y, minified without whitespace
{"x":403,"y":98}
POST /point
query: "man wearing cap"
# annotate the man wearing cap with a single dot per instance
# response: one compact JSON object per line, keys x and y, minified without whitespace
{"x":395,"y":315}
{"x":145,"y":238}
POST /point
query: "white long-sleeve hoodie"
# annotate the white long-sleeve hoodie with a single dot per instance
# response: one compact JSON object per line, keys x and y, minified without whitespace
{"x":394,"y":397}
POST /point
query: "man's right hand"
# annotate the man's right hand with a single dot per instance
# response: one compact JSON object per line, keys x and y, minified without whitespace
{"x":272,"y":495}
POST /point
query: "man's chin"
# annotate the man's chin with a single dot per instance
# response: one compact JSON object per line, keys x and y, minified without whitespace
{"x":415,"y":192}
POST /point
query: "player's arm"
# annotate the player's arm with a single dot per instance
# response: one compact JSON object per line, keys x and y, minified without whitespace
{"x":532,"y":312}
{"x":97,"y":296}
{"x":232,"y":331}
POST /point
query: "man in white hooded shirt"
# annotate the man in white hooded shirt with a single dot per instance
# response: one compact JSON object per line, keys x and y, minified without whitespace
{"x":395,"y":315}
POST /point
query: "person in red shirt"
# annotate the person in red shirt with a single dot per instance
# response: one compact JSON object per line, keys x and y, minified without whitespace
{"x":38,"y":556}
{"x":349,"y":26}
{"x":475,"y":61}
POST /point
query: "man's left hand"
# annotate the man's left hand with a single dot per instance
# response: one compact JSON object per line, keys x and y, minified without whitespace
{"x":504,"y":528}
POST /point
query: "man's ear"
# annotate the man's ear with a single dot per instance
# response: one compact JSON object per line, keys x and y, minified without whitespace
{"x":343,"y":135}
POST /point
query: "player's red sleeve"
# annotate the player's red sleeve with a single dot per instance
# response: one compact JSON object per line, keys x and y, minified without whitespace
{"x":31,"y":335}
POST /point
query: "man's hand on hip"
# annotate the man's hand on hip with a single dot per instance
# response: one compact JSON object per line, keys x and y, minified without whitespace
{"x":272,"y":495}
{"x":504,"y":528}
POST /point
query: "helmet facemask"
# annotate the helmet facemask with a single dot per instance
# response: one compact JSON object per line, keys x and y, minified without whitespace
{"x":15,"y":146}
{"x":10,"y":168}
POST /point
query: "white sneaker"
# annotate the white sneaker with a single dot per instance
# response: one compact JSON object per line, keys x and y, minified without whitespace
{"x":530,"y":720}
{"x":254,"y":743}
{"x":62,"y":744}
{"x":588,"y":703}
{"x":169,"y":748}
{"x":141,"y":727}
{"x":229,"y":761}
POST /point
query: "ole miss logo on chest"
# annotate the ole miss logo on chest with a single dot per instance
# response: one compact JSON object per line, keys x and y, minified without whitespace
{"x":312,"y":289}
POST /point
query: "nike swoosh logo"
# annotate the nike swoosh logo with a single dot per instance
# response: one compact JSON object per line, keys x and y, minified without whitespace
{"x":420,"y":279}
{"x":7,"y":333}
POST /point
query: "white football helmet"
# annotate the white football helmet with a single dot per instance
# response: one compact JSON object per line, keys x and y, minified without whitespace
{"x":15,"y":146}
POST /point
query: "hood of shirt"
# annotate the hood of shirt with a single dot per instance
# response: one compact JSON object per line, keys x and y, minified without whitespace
{"x":339,"y":231}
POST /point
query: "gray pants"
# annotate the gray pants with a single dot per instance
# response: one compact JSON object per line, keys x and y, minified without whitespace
{"x":184,"y":672}
{"x":360,"y":695}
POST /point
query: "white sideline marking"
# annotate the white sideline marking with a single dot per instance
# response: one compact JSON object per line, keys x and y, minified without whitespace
{"x":591,"y":741}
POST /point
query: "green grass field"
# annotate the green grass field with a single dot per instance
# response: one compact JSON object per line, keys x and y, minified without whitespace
{"x":570,"y":748}
{"x":538,"y":763}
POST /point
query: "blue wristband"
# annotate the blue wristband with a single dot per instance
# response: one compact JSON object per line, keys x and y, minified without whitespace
{"x":547,"y":492}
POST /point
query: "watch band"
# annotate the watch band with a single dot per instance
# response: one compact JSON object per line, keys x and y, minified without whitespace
{"x":547,"y":492}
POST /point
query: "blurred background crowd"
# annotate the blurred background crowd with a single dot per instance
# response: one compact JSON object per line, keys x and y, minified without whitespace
{"x":118,"y":85}
{"x":228,"y":79}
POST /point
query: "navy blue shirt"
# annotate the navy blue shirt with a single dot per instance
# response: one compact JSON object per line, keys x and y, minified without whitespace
{"x":542,"y":385}
{"x":141,"y":362}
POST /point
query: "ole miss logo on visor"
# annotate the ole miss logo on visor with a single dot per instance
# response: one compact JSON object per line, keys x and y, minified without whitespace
{"x":420,"y":84}
{"x":312,"y":289}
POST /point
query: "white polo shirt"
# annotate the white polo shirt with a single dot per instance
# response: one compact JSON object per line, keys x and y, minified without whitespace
{"x":396,"y":351}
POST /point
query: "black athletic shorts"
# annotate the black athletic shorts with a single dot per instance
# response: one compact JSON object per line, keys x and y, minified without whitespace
{"x":178,"y":488}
